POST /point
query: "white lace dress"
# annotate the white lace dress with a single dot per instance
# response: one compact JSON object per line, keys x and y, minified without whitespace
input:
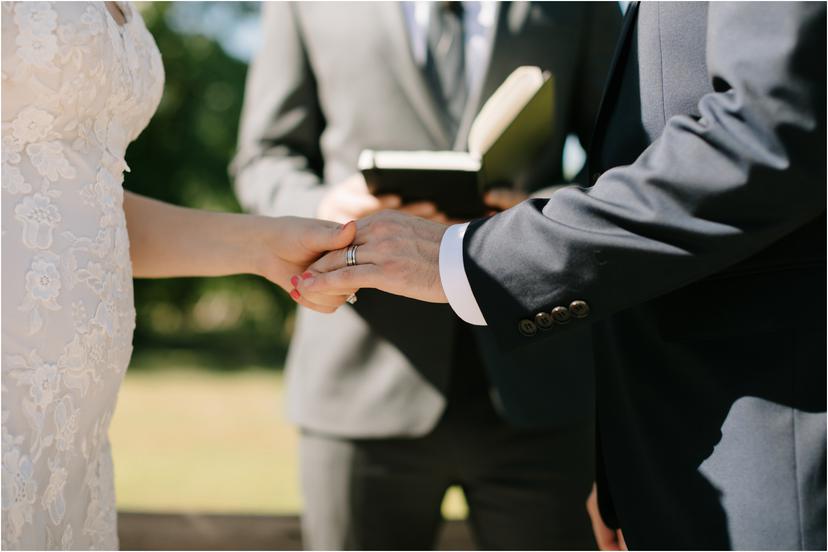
{"x":77,"y":88}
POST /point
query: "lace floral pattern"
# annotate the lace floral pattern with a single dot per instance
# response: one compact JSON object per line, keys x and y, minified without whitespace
{"x":77,"y":89}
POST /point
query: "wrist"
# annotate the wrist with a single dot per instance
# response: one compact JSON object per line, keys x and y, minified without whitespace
{"x":439,"y":290}
{"x":257,"y":245}
{"x":218,"y":244}
{"x":453,"y":279}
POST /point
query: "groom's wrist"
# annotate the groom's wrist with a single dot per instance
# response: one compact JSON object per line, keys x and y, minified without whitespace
{"x":453,"y":277}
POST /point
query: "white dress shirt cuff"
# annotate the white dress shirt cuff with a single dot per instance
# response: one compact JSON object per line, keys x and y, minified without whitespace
{"x":453,"y":276}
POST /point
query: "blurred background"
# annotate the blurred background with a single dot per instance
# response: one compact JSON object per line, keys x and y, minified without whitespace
{"x":208,"y":352}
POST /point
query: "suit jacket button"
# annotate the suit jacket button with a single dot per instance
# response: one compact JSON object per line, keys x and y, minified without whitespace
{"x":579,"y":309}
{"x":560,"y":315}
{"x":543,"y":320}
{"x":527,"y":328}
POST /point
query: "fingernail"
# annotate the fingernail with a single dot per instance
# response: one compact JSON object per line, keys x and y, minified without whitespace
{"x":295,"y":294}
{"x":306,"y":275}
{"x":294,"y":281}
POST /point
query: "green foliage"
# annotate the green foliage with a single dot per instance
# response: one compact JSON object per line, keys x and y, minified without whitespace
{"x":182,"y":157}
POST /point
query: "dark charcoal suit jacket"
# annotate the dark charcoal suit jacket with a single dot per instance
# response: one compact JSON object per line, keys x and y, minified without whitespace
{"x":335,"y":78}
{"x":698,"y":256}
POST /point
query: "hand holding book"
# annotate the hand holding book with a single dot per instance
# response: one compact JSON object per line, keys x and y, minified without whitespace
{"x":351,"y":200}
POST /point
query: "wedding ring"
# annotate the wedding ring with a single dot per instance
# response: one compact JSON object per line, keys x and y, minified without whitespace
{"x":350,"y":256}
{"x":352,"y":298}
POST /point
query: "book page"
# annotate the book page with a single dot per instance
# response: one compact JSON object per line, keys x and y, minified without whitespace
{"x":502,"y":107}
{"x":419,"y":160}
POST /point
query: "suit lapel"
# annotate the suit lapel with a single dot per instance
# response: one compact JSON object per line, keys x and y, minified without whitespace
{"x":401,"y":61}
{"x":615,"y":71}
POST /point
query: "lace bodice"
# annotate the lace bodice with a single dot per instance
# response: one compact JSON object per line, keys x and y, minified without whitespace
{"x":77,"y":88}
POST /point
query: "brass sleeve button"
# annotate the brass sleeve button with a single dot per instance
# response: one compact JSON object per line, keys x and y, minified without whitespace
{"x":527,"y":328}
{"x":544,"y":320}
{"x":561,"y":315}
{"x":579,"y":309}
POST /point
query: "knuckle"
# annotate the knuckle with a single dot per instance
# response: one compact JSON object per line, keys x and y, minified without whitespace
{"x":381,"y":228}
{"x":342,"y":277}
{"x":394,"y":266}
{"x":385,"y":247}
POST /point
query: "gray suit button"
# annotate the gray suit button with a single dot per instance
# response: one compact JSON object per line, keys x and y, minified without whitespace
{"x":527,"y":328}
{"x":544,"y":321}
{"x":560,"y":315}
{"x":579,"y":309}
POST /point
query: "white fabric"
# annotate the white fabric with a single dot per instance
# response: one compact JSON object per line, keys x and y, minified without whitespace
{"x":453,"y":276}
{"x":478,"y":33}
{"x":77,"y":88}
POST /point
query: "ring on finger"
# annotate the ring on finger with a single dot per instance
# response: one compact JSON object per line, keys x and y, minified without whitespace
{"x":352,"y":298}
{"x":350,"y":256}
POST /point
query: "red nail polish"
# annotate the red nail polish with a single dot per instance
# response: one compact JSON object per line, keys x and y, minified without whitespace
{"x":295,"y":294}
{"x":306,"y":275}
{"x":294,"y":281}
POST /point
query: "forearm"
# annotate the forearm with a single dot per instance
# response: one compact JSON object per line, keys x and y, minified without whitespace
{"x":170,"y":241}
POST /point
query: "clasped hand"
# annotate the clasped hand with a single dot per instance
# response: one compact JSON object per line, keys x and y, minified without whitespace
{"x":397,"y":250}
{"x":396,"y":253}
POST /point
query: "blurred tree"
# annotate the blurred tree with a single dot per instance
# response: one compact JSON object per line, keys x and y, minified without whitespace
{"x":182,"y":158}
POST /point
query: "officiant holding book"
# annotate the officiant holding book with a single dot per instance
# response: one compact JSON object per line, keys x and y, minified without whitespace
{"x":394,"y":398}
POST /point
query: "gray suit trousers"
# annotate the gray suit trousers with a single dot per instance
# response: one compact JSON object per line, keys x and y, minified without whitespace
{"x":525,"y":488}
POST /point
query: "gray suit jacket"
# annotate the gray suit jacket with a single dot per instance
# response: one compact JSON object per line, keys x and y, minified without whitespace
{"x":698,"y":255}
{"x":335,"y":78}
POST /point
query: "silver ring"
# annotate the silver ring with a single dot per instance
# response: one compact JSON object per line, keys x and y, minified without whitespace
{"x":352,"y":298}
{"x":350,"y":256}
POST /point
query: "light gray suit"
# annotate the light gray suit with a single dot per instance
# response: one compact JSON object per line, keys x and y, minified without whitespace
{"x":332,"y":80}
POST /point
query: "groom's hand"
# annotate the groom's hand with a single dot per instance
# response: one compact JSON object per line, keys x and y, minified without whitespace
{"x":396,"y":253}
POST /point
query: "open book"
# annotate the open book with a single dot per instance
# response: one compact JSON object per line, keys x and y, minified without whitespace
{"x":504,"y":138}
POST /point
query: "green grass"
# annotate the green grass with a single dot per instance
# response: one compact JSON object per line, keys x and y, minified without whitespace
{"x":186,"y":438}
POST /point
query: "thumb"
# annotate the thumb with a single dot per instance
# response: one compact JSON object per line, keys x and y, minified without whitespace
{"x":329,"y":236}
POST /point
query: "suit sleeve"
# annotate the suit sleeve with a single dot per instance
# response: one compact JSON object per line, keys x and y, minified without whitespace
{"x":278,"y":165}
{"x":707,"y":193}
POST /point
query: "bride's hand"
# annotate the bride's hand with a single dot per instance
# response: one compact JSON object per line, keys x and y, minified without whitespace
{"x":288,"y":245}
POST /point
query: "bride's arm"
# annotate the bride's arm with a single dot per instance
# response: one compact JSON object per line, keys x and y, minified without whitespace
{"x":169,"y":241}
